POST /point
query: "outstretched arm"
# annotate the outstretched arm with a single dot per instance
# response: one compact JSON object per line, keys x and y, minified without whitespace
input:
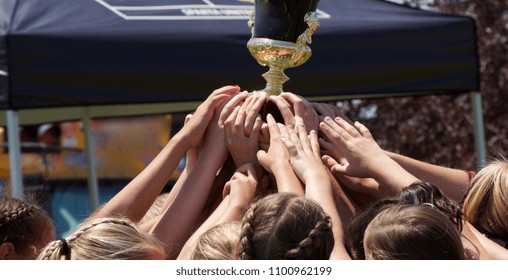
{"x":306,"y":161}
{"x":134,"y":200}
{"x":176,"y":223}
{"x":238,"y":194}
{"x":453,"y":182}
{"x":492,"y":249}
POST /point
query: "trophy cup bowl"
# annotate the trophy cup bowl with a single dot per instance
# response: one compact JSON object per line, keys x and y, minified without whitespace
{"x":281,"y":31}
{"x":278,"y":56}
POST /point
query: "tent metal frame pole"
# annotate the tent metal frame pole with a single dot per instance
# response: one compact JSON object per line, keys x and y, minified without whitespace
{"x":479,"y":129}
{"x":16,"y":175}
{"x":93,"y":185}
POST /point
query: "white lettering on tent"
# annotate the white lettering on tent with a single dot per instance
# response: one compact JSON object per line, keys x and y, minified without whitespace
{"x":191,"y":10}
{"x":217,"y":12}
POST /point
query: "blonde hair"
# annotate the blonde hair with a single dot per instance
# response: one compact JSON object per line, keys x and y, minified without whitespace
{"x":24,"y":224}
{"x":218,"y":243}
{"x":284,"y":226}
{"x":412,"y":232}
{"x":105,"y":239}
{"x":486,"y":203}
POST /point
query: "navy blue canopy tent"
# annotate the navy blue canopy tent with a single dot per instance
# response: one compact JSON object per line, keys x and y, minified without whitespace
{"x":97,"y":53}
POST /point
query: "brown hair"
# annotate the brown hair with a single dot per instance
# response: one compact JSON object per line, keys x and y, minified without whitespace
{"x":105,"y":239}
{"x":285,"y":226}
{"x":412,"y":232}
{"x":417,"y":193}
{"x":25,"y":225}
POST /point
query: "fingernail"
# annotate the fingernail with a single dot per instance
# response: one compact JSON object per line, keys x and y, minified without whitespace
{"x":290,"y":126}
{"x":313,"y":131}
{"x":328,"y":119}
{"x":338,"y":118}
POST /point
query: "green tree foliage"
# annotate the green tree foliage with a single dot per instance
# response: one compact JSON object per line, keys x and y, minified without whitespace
{"x":439,"y":129}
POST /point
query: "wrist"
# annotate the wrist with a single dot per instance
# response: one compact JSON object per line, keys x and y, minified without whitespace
{"x":241,"y":160}
{"x":180,"y":140}
{"x":314,"y":173}
{"x":211,"y":160}
{"x":236,"y":210}
{"x":392,"y":175}
{"x":282,"y":167}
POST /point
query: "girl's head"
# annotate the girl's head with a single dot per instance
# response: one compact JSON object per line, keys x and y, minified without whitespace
{"x":485,"y":205}
{"x":417,"y":193}
{"x":412,"y":232}
{"x":105,"y":239}
{"x":218,"y":243}
{"x":285,"y":226}
{"x":25,"y":229}
{"x":357,"y":227}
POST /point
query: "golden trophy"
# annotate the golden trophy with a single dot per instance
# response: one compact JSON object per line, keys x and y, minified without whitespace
{"x":281,"y":32}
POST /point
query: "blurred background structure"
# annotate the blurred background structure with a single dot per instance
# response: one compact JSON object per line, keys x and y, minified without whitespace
{"x":439,"y":129}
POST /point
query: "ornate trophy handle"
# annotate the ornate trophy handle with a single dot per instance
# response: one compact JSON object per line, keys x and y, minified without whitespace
{"x":311,"y":18}
{"x":250,"y":23}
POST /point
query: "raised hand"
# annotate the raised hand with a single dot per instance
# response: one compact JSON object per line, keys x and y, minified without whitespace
{"x":291,"y":105}
{"x":277,"y":153}
{"x":355,"y":144}
{"x":304,"y":152}
{"x":364,"y":157}
{"x":194,"y":130}
{"x":252,"y":107}
{"x":242,"y":186}
{"x":276,"y":159}
{"x":242,"y":129}
{"x":303,"y":109}
{"x":329,"y":110}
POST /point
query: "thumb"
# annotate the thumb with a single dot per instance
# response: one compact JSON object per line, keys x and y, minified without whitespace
{"x":333,"y":165}
{"x":262,"y":158}
{"x":226,"y":190}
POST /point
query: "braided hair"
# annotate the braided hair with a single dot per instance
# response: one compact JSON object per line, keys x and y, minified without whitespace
{"x":424,"y":192}
{"x":25,"y":225}
{"x":111,"y":238}
{"x":285,"y":226}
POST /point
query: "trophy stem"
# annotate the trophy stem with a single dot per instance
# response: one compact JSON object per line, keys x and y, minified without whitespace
{"x":275,"y":78}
